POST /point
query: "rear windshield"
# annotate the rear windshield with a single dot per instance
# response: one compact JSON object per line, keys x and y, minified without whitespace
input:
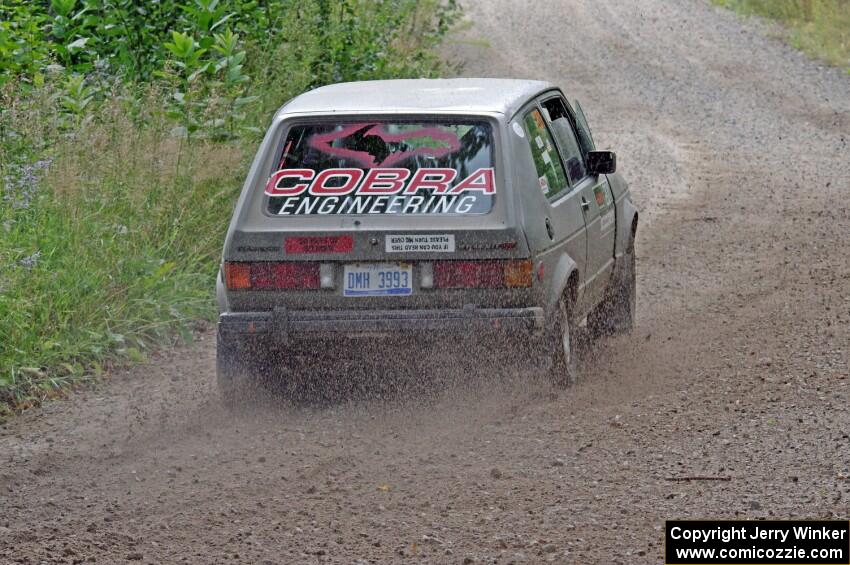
{"x":384,"y":167}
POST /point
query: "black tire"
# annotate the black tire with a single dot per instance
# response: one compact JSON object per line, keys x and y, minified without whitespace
{"x":237,"y":385}
{"x":616,"y":314}
{"x":563,"y":370}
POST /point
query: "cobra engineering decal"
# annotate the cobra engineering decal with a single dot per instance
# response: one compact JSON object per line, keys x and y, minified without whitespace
{"x":380,"y":190}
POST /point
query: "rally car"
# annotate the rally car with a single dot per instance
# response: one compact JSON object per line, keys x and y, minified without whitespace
{"x":457,"y":209}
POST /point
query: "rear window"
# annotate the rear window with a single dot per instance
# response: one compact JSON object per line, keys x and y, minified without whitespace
{"x":384,"y":167}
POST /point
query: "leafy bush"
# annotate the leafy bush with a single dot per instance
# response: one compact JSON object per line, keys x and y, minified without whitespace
{"x":126,"y":129}
{"x":272,"y":46}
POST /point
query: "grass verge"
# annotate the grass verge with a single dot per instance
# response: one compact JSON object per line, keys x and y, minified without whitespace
{"x":820,"y":28}
{"x":109,"y":245}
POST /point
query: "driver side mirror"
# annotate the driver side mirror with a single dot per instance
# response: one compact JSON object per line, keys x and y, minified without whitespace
{"x":601,"y":162}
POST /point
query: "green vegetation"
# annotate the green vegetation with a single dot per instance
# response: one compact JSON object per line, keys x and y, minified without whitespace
{"x":126,"y":129}
{"x":820,"y":28}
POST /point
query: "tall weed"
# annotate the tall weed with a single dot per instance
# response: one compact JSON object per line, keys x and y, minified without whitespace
{"x":108,"y":245}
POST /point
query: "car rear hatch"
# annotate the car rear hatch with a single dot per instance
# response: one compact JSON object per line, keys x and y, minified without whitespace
{"x":353,"y":213}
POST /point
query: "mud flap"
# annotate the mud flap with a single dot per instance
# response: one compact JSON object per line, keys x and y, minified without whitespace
{"x":280,"y":326}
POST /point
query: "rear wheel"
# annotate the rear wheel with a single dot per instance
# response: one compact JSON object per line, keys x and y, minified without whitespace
{"x":616,"y":314}
{"x":564,"y":367}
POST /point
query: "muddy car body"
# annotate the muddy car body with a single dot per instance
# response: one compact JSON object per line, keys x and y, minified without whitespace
{"x":449,"y":208}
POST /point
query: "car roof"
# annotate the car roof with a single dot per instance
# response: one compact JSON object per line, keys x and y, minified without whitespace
{"x":469,"y":95}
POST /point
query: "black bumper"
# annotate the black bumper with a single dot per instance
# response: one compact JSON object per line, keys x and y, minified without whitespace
{"x":284,"y":325}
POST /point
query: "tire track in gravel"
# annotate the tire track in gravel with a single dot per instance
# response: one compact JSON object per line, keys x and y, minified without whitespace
{"x":736,"y":148}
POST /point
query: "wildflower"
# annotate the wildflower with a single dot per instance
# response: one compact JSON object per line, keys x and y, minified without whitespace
{"x":20,"y":186}
{"x":30,"y":261}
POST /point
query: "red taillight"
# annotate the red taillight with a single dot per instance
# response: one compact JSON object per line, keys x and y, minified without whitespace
{"x":271,"y":276}
{"x":482,"y":274}
{"x":468,"y":274}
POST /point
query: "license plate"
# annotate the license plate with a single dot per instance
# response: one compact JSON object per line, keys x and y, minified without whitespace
{"x":378,"y":279}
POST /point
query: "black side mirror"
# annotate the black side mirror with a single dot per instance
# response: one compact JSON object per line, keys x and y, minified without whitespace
{"x":601,"y":162}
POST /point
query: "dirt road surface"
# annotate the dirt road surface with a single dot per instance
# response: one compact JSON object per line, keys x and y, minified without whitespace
{"x":736,"y":147}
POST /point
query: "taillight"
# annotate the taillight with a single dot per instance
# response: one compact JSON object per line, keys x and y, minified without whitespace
{"x":237,"y":275}
{"x":518,"y":273}
{"x":271,"y":276}
{"x":482,"y":274}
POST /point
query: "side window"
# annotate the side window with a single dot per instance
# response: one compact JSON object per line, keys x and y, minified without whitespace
{"x":583,"y":129}
{"x":550,"y":171}
{"x":562,"y":128}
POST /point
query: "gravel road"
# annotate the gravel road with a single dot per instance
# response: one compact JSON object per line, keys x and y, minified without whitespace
{"x":735,"y":145}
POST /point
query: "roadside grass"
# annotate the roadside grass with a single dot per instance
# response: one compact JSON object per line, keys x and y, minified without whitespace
{"x":820,"y":28}
{"x":114,"y":251}
{"x":112,"y":220}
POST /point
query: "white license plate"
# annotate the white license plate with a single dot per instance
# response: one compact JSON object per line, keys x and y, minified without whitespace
{"x":378,"y":279}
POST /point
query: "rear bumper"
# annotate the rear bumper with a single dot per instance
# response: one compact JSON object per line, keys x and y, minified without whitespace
{"x":284,"y":325}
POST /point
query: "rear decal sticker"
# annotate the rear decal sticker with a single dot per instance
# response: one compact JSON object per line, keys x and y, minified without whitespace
{"x":379,"y":191}
{"x":321,"y":244}
{"x":544,"y":184}
{"x":404,"y":167}
{"x":449,"y":143}
{"x":439,"y":243}
{"x":518,"y":130}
